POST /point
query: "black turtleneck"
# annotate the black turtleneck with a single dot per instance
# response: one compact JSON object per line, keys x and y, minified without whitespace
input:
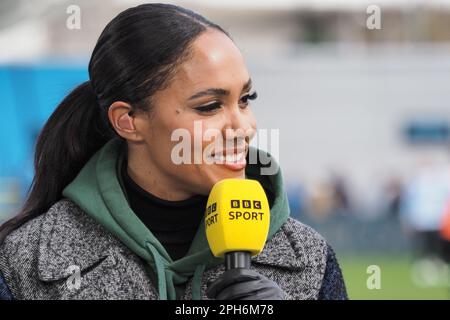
{"x":173,"y":223}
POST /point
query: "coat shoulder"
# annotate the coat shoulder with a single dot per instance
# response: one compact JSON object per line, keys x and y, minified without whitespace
{"x":295,"y":246}
{"x":18,"y":252}
{"x":20,"y":243}
{"x":25,"y":239}
{"x":300,"y":232}
{"x":306,"y":242}
{"x":38,"y":258}
{"x":297,"y":258}
{"x":310,"y":244}
{"x":21,"y":251}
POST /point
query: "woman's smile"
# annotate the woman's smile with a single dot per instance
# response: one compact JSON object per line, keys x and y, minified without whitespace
{"x":232,"y":159}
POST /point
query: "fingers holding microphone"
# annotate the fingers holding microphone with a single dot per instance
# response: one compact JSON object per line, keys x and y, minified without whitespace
{"x":244,"y":284}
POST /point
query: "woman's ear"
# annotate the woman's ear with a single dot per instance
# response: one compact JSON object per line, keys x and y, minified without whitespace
{"x":123,"y":122}
{"x":126,"y":122}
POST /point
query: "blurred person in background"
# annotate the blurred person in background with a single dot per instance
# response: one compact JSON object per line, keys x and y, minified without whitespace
{"x":330,"y":199}
{"x":445,"y":233}
{"x":321,"y":201}
{"x":341,"y":197}
{"x":423,"y":206}
{"x":445,"y":229}
{"x":108,"y":201}
{"x":297,"y":197}
{"x":393,"y":193}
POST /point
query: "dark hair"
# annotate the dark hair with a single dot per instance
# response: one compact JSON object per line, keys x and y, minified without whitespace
{"x":136,"y":55}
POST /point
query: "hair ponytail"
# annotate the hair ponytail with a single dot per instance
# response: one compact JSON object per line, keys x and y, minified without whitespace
{"x":72,"y":134}
{"x":135,"y":56}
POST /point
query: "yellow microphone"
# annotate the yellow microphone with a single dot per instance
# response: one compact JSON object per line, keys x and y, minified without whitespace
{"x":237,"y":220}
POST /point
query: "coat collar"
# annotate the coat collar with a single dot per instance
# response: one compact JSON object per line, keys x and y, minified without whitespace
{"x":279,"y":252}
{"x":71,"y":237}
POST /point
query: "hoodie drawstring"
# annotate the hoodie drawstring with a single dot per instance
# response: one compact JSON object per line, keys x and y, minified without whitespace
{"x":162,"y":278}
{"x":197,"y":281}
{"x":160,"y":273}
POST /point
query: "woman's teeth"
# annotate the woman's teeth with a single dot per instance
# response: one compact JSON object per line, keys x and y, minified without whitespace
{"x":236,"y":157}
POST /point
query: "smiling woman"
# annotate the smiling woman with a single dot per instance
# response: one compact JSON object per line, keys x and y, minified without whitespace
{"x":212,"y":86}
{"x":109,"y":200}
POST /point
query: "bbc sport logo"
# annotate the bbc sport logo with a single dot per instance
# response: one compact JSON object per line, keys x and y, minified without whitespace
{"x":246,"y":204}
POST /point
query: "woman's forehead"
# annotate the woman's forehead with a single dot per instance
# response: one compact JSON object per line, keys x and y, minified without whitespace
{"x":215,"y":61}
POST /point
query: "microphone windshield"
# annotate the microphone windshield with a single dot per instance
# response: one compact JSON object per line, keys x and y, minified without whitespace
{"x":237,"y":217}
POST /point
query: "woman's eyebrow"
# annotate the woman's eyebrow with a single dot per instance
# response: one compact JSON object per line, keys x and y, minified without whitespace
{"x":219,"y":91}
{"x":248,"y":85}
{"x":210,"y":92}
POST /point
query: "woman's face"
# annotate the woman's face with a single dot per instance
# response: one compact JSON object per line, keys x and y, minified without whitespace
{"x":202,"y":117}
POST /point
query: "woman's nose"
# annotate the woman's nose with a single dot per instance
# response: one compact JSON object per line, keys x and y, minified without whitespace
{"x":239,"y":125}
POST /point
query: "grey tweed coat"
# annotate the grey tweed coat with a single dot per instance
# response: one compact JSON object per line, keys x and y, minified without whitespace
{"x":37,"y":261}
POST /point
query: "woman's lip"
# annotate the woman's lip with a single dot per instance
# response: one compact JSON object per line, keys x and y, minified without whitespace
{"x":235,"y":166}
{"x":229,"y":158}
{"x":225,"y":152}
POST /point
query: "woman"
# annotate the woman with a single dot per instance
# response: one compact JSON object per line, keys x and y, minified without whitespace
{"x":112,"y":215}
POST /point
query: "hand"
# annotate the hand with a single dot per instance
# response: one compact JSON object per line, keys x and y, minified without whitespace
{"x":244,"y":284}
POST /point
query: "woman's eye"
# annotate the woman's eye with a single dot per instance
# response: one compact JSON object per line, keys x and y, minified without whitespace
{"x":209,"y":107}
{"x":243,"y":103}
{"x":249,"y":96}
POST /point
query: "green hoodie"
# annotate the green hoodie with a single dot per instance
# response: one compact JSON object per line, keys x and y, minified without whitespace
{"x":98,"y":191}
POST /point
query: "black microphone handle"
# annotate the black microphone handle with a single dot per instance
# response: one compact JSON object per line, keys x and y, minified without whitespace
{"x":237,"y":259}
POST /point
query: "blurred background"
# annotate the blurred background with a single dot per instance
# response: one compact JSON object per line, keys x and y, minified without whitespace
{"x":359,"y":91}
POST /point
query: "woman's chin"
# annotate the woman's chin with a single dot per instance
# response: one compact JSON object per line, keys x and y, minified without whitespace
{"x":229,"y":174}
{"x":220,"y":173}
